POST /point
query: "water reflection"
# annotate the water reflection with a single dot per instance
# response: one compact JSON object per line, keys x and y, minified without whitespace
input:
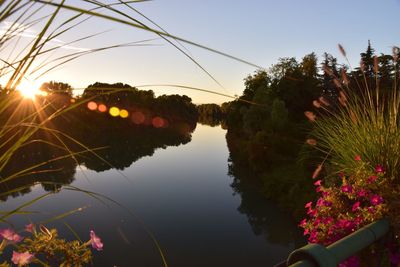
{"x":79,"y":137}
{"x":182,"y":193}
{"x":264,"y":216}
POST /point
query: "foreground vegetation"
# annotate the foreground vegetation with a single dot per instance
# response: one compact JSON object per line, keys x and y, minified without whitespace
{"x":271,"y":134}
{"x":348,"y":138}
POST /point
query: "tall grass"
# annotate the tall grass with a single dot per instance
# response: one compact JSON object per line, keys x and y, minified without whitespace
{"x":21,"y":60}
{"x":366,"y":123}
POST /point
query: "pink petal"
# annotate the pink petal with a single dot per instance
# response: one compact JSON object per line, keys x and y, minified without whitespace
{"x":10,"y":235}
{"x":95,"y":241}
{"x":22,"y":258}
{"x":30,"y":227}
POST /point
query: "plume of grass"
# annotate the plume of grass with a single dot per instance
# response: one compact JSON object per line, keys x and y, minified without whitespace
{"x":367,"y":125}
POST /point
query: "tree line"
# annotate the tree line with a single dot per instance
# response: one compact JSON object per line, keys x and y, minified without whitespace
{"x":266,"y":125}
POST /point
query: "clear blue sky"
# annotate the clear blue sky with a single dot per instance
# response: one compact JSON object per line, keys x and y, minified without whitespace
{"x":260,"y":31}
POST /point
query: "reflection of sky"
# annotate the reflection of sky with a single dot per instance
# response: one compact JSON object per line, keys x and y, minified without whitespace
{"x":183,"y":195}
{"x":261,"y":31}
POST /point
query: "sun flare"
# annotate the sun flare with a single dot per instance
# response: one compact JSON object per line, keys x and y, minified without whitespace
{"x":30,"y":89}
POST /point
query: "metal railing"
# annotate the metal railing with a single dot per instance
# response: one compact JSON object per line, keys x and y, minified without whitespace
{"x":315,"y":255}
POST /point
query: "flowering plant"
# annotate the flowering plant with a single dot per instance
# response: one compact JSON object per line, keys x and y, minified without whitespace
{"x":46,"y":248}
{"x":343,"y":208}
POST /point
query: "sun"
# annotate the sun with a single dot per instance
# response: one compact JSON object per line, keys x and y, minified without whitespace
{"x":30,"y":89}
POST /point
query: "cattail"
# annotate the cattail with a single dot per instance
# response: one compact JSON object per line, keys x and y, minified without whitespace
{"x":395,"y":51}
{"x":353,"y":117}
{"x":316,"y":104}
{"x":342,"y":101}
{"x":327,"y":70}
{"x":317,"y":171}
{"x":376,"y":64}
{"x":311,"y":142}
{"x":323,"y":101}
{"x":343,"y":95}
{"x":341,"y":49}
{"x":310,"y":116}
{"x":362,"y":65}
{"x":342,"y":98}
{"x":344,"y":77}
{"x":337,"y":83}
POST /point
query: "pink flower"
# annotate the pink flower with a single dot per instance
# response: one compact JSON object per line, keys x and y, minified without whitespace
{"x":306,"y":231}
{"x":308,"y":205}
{"x":328,"y":220}
{"x":359,"y":220}
{"x":362,"y":193}
{"x":312,"y":212}
{"x":95,"y":241}
{"x":356,"y":206}
{"x":313,"y":237}
{"x":357,"y":158}
{"x":347,"y":188}
{"x":325,"y":193}
{"x":10,"y":235}
{"x":376,"y":200}
{"x":372,"y":178}
{"x":371,"y":210}
{"x":317,"y":183}
{"x":303,"y":223}
{"x":320,"y":202}
{"x":379,"y":169}
{"x":22,"y":258}
{"x":30,"y":228}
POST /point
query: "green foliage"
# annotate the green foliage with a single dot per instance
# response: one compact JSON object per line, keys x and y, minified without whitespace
{"x":273,"y":130}
{"x":48,"y":247}
{"x":279,"y":115}
{"x":290,"y":186}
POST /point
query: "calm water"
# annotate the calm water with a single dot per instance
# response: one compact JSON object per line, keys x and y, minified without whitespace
{"x":184,"y":196}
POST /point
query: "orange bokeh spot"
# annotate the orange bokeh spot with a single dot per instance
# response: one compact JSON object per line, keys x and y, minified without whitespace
{"x":138,"y":117}
{"x":124,"y":113}
{"x":158,"y":122}
{"x":102,"y":108}
{"x":92,"y":105}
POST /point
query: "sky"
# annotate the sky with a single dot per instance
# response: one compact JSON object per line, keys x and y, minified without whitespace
{"x":258,"y":31}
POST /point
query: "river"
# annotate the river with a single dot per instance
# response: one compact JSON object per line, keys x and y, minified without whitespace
{"x":183,"y":196}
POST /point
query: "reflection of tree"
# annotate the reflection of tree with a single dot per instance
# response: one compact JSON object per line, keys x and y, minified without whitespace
{"x":209,"y":120}
{"x":210,"y":114}
{"x":264,"y":216}
{"x":95,"y":139}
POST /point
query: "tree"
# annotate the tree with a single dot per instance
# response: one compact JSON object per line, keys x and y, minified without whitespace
{"x":330,"y":91}
{"x":309,"y":65}
{"x":367,"y":61}
{"x":253,"y":83}
{"x":54,"y":87}
{"x":279,"y":115}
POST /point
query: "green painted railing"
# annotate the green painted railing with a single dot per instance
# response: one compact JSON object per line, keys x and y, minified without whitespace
{"x":314,"y":255}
